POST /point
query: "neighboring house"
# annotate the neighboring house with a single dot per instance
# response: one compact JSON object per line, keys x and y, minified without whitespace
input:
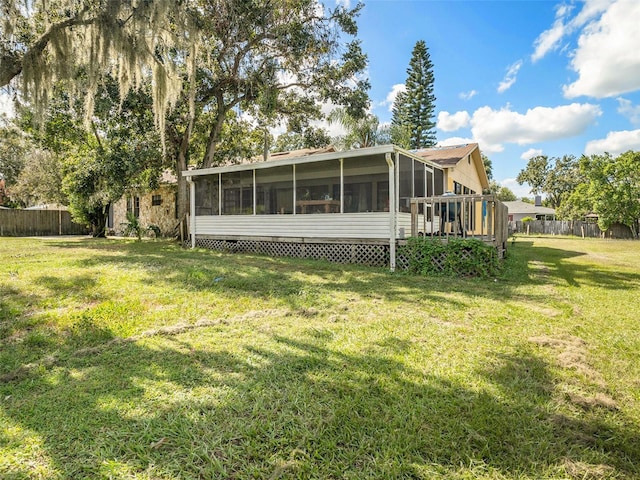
{"x":157,"y":207}
{"x":351,"y":206}
{"x":519,"y":210}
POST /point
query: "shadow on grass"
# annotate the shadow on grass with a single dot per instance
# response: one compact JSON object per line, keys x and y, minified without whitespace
{"x":274,"y":406}
{"x":295,"y":283}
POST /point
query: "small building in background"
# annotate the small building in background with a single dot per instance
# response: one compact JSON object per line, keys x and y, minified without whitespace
{"x":519,"y":210}
{"x":157,"y":207}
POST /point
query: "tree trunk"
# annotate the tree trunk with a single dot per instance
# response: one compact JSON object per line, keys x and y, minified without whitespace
{"x":182,"y":205}
{"x":99,"y":224}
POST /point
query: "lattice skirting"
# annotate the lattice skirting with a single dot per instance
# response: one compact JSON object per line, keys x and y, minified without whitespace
{"x":366,"y":254}
{"x":377,"y":255}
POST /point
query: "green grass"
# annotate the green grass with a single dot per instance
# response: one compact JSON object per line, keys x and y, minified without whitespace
{"x":123,"y":359}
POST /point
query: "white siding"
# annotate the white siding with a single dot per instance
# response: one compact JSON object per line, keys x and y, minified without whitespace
{"x":404,"y":225}
{"x":369,"y":225}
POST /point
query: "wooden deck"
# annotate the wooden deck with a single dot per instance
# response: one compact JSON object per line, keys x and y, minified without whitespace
{"x":482,"y":217}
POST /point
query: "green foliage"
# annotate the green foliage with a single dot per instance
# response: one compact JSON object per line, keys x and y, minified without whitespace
{"x":133,"y":228}
{"x":310,"y":137}
{"x":361,"y":132}
{"x":488,"y":166}
{"x":612,"y":189}
{"x":457,"y":257}
{"x":40,"y":180}
{"x":526,"y":220}
{"x":13,"y":152}
{"x":555,"y":177}
{"x":413,"y":110}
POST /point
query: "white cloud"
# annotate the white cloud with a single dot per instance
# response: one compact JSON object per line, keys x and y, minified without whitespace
{"x":468,"y":95}
{"x":448,"y":122}
{"x":512,"y":184}
{"x":448,"y":142}
{"x":391,"y":96}
{"x":607,"y":59}
{"x":492,"y":127}
{"x":532,"y":152}
{"x":626,"y":108}
{"x":615,"y":143}
{"x":510,"y":77}
{"x":550,"y":39}
{"x":344,"y":3}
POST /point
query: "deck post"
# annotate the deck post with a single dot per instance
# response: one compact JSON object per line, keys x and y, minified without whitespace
{"x":392,"y":211}
{"x":414,"y":217}
{"x":192,"y":208}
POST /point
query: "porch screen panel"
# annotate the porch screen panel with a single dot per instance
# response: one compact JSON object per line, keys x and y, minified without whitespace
{"x":207,"y":194}
{"x":274,"y":190}
{"x":438,"y":181}
{"x":419,"y":172}
{"x":237,"y":193}
{"x":366,"y":184}
{"x":405,"y":191}
{"x":318,"y":187}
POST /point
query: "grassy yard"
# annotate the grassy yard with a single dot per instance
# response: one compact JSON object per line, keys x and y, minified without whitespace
{"x":143,"y":360}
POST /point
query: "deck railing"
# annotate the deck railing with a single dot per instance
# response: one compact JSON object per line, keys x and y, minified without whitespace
{"x":468,"y":216}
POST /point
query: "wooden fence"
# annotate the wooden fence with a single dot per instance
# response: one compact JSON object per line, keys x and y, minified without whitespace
{"x":568,"y":227}
{"x":26,"y":223}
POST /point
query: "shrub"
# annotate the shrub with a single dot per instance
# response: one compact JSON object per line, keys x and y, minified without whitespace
{"x":466,"y":257}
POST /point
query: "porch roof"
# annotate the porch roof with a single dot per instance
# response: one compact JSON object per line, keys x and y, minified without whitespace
{"x":320,"y":155}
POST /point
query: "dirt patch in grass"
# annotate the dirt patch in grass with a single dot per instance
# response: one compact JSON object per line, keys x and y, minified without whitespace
{"x":571,"y":353}
{"x":587,"y":471}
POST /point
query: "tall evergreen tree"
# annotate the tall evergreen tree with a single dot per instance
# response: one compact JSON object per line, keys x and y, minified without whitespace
{"x":400,"y":129}
{"x":413,"y":111}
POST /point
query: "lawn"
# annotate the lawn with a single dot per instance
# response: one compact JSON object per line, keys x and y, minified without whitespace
{"x":142,"y":360}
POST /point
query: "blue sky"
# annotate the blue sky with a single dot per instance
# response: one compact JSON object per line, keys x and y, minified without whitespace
{"x":521,"y":78}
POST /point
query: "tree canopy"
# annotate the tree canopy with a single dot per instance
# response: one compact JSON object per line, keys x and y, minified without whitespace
{"x":611,"y":190}
{"x":360,"y":132}
{"x":276,"y":61}
{"x":557,"y":178}
{"x":413,"y":110}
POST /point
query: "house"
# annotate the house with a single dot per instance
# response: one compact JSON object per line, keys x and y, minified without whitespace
{"x":157,"y":207}
{"x":519,"y":210}
{"x":462,"y":166}
{"x":351,"y":206}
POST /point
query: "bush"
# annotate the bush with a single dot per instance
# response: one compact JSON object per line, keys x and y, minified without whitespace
{"x":466,"y":257}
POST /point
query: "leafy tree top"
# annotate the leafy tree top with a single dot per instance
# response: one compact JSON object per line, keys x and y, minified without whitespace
{"x":413,"y":110}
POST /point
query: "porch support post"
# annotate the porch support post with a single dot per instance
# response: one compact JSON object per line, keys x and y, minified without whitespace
{"x":392,"y":211}
{"x":192,"y":209}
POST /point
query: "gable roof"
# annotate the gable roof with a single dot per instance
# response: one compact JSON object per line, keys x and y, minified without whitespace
{"x":518,"y":206}
{"x":447,"y":156}
{"x":450,"y":156}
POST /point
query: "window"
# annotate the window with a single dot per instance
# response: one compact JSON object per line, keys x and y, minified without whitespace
{"x":133,"y":206}
{"x":207,"y":195}
{"x":156,"y":200}
{"x":274,"y":190}
{"x":366,"y":185}
{"x":237,"y":193}
{"x":318,"y":187}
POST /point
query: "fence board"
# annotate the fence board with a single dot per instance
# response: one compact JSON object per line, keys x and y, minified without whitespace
{"x":568,"y":227}
{"x":25,"y":223}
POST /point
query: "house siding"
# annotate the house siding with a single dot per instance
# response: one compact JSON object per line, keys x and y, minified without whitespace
{"x":367,"y":225}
